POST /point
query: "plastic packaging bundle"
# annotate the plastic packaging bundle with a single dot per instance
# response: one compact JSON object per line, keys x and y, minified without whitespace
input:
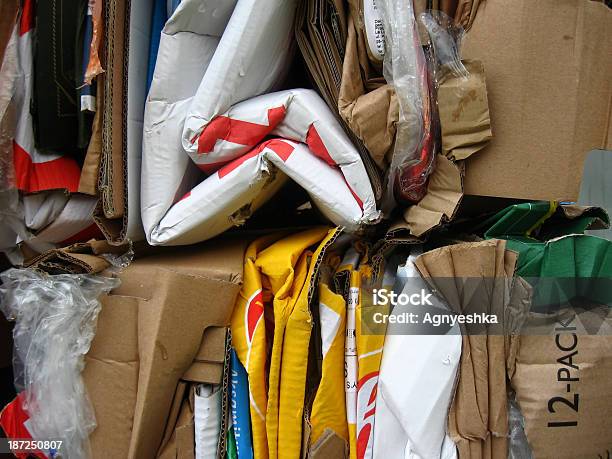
{"x":445,"y":38}
{"x":216,"y":116}
{"x":50,"y":216}
{"x":55,"y":322}
{"x":405,"y":67}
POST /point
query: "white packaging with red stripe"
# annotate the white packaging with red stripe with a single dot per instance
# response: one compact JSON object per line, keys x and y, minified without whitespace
{"x":205,"y":113}
{"x":55,"y":215}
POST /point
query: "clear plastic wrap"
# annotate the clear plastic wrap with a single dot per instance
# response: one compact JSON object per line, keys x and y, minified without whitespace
{"x":445,"y":37}
{"x":55,"y":321}
{"x":405,"y":67}
{"x":518,"y":447}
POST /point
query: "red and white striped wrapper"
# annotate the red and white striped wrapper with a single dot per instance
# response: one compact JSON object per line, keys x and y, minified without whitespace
{"x":211,"y":117}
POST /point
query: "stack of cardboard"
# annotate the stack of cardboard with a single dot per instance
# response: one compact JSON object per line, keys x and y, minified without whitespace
{"x":353,"y":333}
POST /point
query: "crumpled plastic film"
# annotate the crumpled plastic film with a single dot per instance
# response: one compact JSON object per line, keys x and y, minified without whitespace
{"x":518,"y":448}
{"x":405,"y":67}
{"x":55,"y":321}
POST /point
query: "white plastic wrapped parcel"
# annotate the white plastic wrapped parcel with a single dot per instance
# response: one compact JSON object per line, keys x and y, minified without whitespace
{"x":205,"y":168}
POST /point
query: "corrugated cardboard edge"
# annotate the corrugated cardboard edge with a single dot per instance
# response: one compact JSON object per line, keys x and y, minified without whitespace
{"x":225,"y":398}
{"x":90,"y":172}
{"x":111,"y":213}
{"x":81,"y":258}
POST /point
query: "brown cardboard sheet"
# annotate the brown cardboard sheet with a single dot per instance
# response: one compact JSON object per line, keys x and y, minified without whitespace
{"x":183,"y":293}
{"x":181,"y":427}
{"x":478,"y":419}
{"x":549,"y":92}
{"x":566,"y":408}
{"x":88,"y":184}
{"x":168,"y":316}
{"x":111,"y":375}
{"x":111,"y":185}
{"x":371,"y":115}
{"x":444,"y":193}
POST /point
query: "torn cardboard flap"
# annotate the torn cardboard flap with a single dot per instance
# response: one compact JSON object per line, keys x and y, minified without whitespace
{"x":464,"y":112}
{"x":329,"y":445}
{"x":465,"y":130}
{"x":444,"y":193}
{"x":80,"y":258}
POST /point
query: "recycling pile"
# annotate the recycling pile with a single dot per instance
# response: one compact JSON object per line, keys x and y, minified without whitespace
{"x":296,"y":228}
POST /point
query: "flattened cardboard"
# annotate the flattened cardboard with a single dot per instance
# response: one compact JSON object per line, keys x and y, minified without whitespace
{"x":90,"y":172}
{"x":536,"y":383}
{"x":170,"y":308}
{"x":183,"y":292}
{"x":126,"y":60}
{"x":111,"y":180}
{"x":549,"y":91}
{"x":370,"y":115}
{"x":111,"y":375}
{"x":478,"y":420}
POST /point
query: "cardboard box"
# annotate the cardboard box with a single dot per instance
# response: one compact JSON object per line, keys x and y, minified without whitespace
{"x":165,"y":323}
{"x":565,"y":419}
{"x":184,"y":296}
{"x":548,"y":72}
